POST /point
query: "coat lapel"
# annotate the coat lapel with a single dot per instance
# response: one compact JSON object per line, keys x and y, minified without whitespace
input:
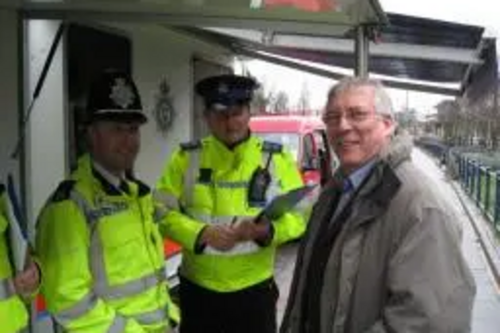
{"x":375,"y":195}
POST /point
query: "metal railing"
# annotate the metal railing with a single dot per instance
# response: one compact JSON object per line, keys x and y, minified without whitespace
{"x":482,"y":184}
{"x":479,"y":181}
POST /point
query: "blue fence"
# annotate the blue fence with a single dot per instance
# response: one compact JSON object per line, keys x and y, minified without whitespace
{"x":482,"y":184}
{"x":479,"y":181}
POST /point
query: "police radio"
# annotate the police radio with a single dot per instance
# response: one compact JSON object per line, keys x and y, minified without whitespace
{"x":261,"y":177}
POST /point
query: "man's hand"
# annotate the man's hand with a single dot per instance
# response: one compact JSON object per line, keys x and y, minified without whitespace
{"x":28,"y":281}
{"x":248,"y":230}
{"x":220,"y":237}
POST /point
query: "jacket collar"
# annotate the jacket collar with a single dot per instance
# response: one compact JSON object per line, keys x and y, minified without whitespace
{"x":105,"y":183}
{"x":376,"y":193}
{"x":108,"y":176}
{"x":383,"y":180}
{"x":382,"y":184}
{"x":240,"y":147}
{"x":398,"y":150}
{"x":86,"y":171}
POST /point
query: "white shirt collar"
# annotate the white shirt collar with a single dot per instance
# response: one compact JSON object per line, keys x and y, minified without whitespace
{"x":112,"y":179}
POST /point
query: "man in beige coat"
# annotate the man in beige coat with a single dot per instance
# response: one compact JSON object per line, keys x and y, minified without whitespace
{"x":382,"y":251}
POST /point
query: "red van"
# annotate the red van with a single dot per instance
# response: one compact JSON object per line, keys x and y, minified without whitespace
{"x":305,"y":137}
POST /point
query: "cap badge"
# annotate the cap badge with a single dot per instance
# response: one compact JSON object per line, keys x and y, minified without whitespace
{"x":222,"y":89}
{"x":121,"y":93}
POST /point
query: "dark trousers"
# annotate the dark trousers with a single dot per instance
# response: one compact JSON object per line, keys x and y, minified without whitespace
{"x":251,"y":310}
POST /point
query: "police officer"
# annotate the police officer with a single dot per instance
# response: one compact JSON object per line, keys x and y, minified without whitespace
{"x":13,"y":312}
{"x":100,"y":247}
{"x":215,"y":188}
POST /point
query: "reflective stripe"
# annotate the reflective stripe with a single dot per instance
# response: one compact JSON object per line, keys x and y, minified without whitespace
{"x":87,"y":303}
{"x":199,"y":217}
{"x":152,"y":317}
{"x":102,"y":286}
{"x":81,"y":308}
{"x":82,"y":203}
{"x":134,"y":287}
{"x":190,"y":177}
{"x":224,"y":220}
{"x":93,"y":215}
{"x":7,"y":289}
{"x":188,"y":189}
{"x":159,"y":214}
{"x":221,"y":220}
{"x":166,"y":199}
{"x":238,"y":249}
{"x":118,"y":325}
{"x":231,"y":185}
{"x":163,"y":203}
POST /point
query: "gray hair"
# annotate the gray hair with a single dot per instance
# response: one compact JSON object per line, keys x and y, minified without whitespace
{"x":383,"y":103}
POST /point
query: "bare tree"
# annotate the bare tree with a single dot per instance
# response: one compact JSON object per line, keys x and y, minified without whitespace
{"x":279,"y":103}
{"x":407,"y":119}
{"x":262,"y":100}
{"x":303,"y":105}
{"x":448,"y":115}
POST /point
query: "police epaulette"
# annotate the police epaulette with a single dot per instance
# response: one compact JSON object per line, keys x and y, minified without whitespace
{"x":191,"y":145}
{"x":63,"y":191}
{"x":272,"y":147}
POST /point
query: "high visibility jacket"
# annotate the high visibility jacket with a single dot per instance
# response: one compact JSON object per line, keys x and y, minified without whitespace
{"x":13,"y":313}
{"x":207,"y":183}
{"x":102,"y":256}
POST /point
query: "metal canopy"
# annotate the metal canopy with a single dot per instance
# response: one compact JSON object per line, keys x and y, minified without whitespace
{"x":408,"y":48}
{"x":422,"y":69}
{"x":242,"y":14}
{"x":293,"y":60}
{"x":280,"y":42}
{"x":308,"y":17}
{"x":423,"y":31}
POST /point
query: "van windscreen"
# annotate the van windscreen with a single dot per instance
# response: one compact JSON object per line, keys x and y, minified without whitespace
{"x":290,"y":141}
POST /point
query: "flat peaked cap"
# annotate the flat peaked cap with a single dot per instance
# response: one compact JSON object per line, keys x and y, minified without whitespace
{"x":223,"y":91}
{"x":113,"y":96}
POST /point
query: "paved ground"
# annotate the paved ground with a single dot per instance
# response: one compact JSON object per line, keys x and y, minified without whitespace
{"x":486,"y":316}
{"x":284,"y":271}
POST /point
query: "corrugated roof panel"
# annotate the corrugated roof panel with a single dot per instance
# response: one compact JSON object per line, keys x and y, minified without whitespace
{"x":415,"y":69}
{"x":423,"y":31}
{"x":420,"y":33}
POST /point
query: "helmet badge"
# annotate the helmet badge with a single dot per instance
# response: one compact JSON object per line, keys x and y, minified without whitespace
{"x":122,"y":94}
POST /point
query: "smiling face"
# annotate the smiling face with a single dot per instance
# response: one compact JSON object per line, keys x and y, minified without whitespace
{"x":356,"y":132}
{"x":115,"y":145}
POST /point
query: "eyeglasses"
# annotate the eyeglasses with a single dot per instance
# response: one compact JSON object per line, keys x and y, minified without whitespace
{"x":352,"y":117}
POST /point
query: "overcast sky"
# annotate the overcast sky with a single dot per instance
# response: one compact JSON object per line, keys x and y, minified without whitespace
{"x":477,"y":12}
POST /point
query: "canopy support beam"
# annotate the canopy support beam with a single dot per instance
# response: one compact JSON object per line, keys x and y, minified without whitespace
{"x":422,"y":87}
{"x":362,"y":51}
